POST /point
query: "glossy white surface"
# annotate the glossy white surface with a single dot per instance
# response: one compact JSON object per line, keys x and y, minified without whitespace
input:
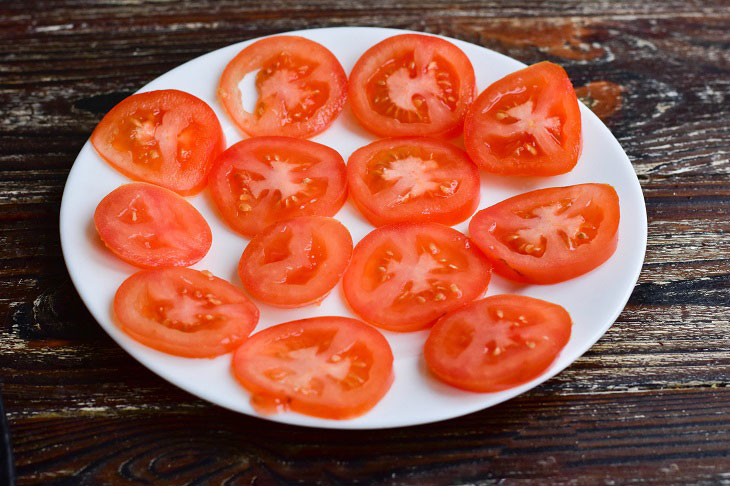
{"x":593,"y":300}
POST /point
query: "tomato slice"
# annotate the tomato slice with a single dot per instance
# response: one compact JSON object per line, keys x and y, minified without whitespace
{"x":497,"y":343}
{"x":414,"y":179}
{"x":412,"y":84}
{"x":167,"y":137}
{"x":184,"y":312}
{"x":263,"y":180}
{"x":404,"y":276}
{"x":329,"y":367}
{"x":526,"y":124}
{"x":301,"y":87}
{"x":549,"y":235}
{"x":296,"y":262}
{"x":149,"y":226}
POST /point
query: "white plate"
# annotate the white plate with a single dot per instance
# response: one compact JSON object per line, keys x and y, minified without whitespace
{"x":593,"y":300}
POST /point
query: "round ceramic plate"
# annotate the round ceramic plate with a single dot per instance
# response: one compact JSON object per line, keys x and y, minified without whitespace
{"x":593,"y":300}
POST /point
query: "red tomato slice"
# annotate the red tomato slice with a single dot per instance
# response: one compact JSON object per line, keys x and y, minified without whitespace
{"x":412,"y":84}
{"x":184,"y":312}
{"x":296,"y":262}
{"x":167,"y":137}
{"x":263,"y":180}
{"x":301,"y":86}
{"x":497,"y":343}
{"x":329,"y":367}
{"x":149,"y":226}
{"x":404,"y":276}
{"x":414,"y":179}
{"x":549,"y":235}
{"x":526,"y":124}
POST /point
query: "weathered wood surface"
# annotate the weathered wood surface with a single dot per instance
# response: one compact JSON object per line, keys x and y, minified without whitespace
{"x":648,"y":403}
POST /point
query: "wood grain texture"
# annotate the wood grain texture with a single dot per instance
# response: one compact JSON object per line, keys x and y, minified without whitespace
{"x":647,"y":404}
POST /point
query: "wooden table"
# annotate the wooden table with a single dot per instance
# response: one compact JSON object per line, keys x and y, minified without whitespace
{"x":649,"y":402}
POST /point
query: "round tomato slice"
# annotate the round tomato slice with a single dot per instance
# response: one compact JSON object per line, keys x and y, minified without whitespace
{"x":497,"y":343}
{"x":301,"y":87}
{"x":412,"y":84}
{"x":549,"y":235}
{"x":413,"y":179}
{"x":167,"y":137}
{"x":296,"y":262}
{"x":263,"y":180}
{"x":329,"y":367}
{"x":184,"y":312}
{"x":404,"y":276}
{"x":526,"y":124}
{"x":149,"y":226}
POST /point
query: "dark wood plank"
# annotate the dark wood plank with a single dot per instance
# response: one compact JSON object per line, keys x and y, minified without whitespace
{"x":587,"y":439}
{"x":646,"y":404}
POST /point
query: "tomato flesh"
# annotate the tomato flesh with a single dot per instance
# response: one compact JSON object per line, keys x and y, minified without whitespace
{"x":404,"y":276}
{"x":167,"y":137}
{"x":412,"y":84}
{"x":549,"y":235}
{"x":301,"y":87}
{"x":329,"y":367}
{"x":526,"y":124}
{"x":497,"y":343}
{"x":414,"y":179}
{"x":263,"y":180}
{"x":149,"y":226}
{"x":184,"y":312}
{"x":296,"y":262}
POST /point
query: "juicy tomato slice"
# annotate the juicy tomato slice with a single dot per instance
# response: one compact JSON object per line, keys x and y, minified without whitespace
{"x":296,"y":262}
{"x":412,"y":84}
{"x":184,"y":312}
{"x":526,"y":124}
{"x":549,"y":235}
{"x":149,"y":226}
{"x":404,"y":276}
{"x":497,"y":343}
{"x":329,"y":367}
{"x":413,"y":179}
{"x":167,"y":137}
{"x":301,"y":87}
{"x":263,"y":180}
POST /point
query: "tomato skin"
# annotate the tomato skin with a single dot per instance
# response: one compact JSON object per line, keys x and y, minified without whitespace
{"x":315,"y":254}
{"x":149,"y":226}
{"x":494,"y":126}
{"x":440,"y":204}
{"x":323,"y":72}
{"x":177,"y":329}
{"x":475,"y":349}
{"x":136,"y":138}
{"x":248,"y":180}
{"x":445,"y":117}
{"x":404,"y":276}
{"x":339,"y":396}
{"x":596,"y":204}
